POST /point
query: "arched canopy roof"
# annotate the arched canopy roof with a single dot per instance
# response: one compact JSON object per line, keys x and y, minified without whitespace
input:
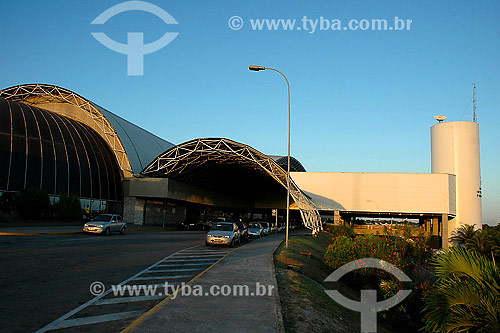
{"x":295,"y":165}
{"x":133,"y":146}
{"x":216,"y":163}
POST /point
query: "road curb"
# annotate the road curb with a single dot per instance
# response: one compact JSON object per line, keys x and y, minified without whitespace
{"x":279,"y":314}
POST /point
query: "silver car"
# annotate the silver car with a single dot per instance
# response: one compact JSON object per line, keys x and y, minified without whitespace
{"x":267,"y":228}
{"x":223,"y":233}
{"x":105,"y":224}
{"x":255,"y":230}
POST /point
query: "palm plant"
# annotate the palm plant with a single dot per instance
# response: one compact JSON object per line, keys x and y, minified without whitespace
{"x":484,"y":243}
{"x":463,"y":234}
{"x":466,"y":297}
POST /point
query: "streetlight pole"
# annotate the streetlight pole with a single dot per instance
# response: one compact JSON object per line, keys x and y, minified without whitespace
{"x":262,"y":68}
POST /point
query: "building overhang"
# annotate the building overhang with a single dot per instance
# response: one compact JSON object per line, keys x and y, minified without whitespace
{"x":220,"y":164}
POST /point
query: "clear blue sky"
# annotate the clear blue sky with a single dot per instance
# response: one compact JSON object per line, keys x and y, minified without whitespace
{"x":361,"y":100}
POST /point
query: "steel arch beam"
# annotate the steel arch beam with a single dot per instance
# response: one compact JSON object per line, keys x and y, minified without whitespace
{"x":37,"y":94}
{"x":184,"y":158}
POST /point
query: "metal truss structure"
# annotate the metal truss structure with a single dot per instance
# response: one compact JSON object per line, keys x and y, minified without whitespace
{"x":37,"y":94}
{"x":187,"y":158}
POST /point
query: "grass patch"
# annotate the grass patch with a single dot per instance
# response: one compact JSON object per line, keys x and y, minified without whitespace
{"x":305,"y":305}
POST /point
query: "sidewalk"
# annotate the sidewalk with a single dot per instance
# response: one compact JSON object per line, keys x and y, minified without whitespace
{"x":40,"y":230}
{"x":247,"y":265}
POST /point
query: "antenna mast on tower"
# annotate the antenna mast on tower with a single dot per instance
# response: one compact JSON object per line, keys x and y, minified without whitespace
{"x":474,"y":115}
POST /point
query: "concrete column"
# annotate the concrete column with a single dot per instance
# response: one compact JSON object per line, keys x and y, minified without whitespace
{"x":435,"y":226}
{"x":428,"y":228}
{"x":337,"y":220}
{"x":444,"y":231}
{"x":133,"y":210}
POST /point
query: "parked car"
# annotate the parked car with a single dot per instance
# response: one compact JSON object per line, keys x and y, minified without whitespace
{"x":255,"y":230}
{"x":274,"y":229}
{"x":200,"y":225}
{"x":223,"y":233}
{"x":243,"y":231}
{"x":105,"y":224}
{"x":267,"y":229}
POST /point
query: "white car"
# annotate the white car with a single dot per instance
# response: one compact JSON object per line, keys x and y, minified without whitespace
{"x":224,"y":233}
{"x":105,"y":224}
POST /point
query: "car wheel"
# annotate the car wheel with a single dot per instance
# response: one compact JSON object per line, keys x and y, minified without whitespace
{"x":106,"y":232}
{"x":122,"y":231}
{"x":232,"y":243}
{"x":207,"y":244}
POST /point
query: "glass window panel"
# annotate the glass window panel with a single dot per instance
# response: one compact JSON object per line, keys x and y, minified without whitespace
{"x":18,"y":166}
{"x":49,"y":165}
{"x":4,"y":117}
{"x":33,"y":172}
{"x":4,"y":160}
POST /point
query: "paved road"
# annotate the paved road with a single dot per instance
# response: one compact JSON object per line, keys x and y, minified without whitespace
{"x":44,"y":277}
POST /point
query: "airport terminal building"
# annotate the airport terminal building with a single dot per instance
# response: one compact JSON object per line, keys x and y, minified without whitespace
{"x":56,"y":140}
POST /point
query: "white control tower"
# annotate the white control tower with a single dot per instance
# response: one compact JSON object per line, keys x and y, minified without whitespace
{"x":455,"y":150}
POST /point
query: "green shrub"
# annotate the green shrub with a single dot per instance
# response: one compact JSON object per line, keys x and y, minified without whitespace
{"x":340,"y":230}
{"x":33,"y":204}
{"x":68,"y":208}
{"x":434,"y":242}
{"x":403,"y":253}
{"x":344,"y":249}
{"x":7,"y":206}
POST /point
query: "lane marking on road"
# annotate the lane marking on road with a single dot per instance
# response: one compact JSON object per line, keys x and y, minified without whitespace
{"x":183,"y":260}
{"x":97,"y":319}
{"x":155,"y":285}
{"x":205,"y":251}
{"x":147,"y":314}
{"x":165,"y":277}
{"x":196,"y":256}
{"x":173,"y":270}
{"x":60,"y":320}
{"x":128,"y":299}
{"x":182,"y":264}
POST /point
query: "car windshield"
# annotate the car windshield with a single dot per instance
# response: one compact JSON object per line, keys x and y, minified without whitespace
{"x":102,"y":218}
{"x":223,"y":227}
{"x":254,"y":225}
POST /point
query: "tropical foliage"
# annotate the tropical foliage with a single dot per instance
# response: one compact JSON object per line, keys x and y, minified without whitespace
{"x":462,"y":235}
{"x":466,"y":297}
{"x":486,"y":241}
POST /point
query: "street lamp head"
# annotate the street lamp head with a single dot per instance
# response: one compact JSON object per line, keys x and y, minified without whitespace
{"x":256,"y":68}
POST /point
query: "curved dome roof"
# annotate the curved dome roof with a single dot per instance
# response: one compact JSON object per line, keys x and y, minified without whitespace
{"x":295,"y":165}
{"x":133,"y":146}
{"x":42,"y":149}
